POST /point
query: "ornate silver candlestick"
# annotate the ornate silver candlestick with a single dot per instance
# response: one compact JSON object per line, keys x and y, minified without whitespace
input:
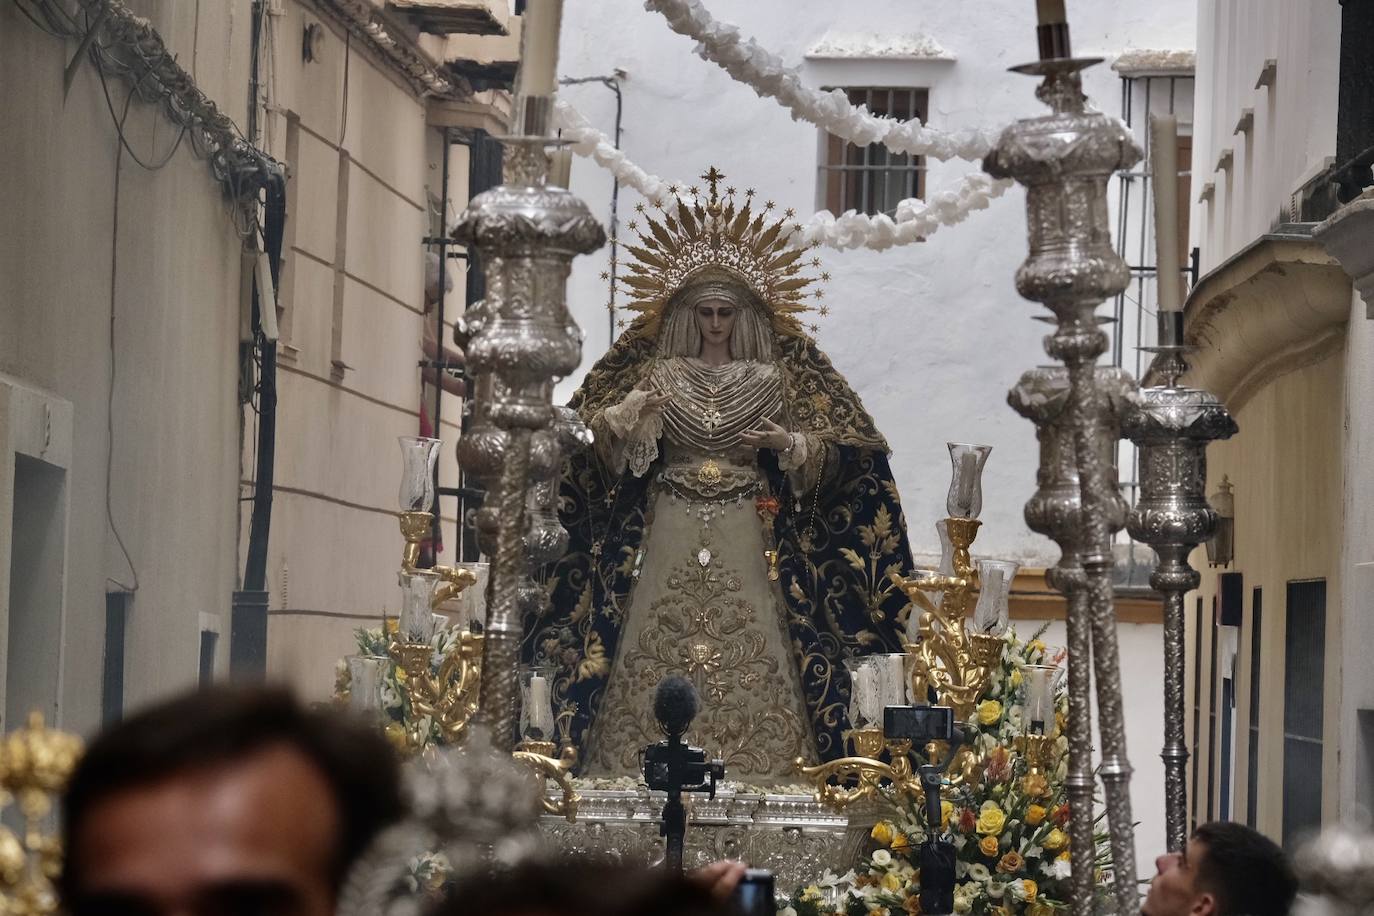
{"x":1064,"y":159}
{"x":526,"y":233}
{"x":1172,"y":427}
{"x":1056,"y":511}
{"x":546,"y":540}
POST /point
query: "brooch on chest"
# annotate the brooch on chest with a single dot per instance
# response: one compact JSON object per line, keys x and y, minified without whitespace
{"x":709,"y":475}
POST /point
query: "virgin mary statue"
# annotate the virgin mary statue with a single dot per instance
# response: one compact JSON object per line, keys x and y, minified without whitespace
{"x":736,"y":521}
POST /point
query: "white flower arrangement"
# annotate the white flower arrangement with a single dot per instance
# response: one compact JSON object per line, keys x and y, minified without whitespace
{"x":913,"y":220}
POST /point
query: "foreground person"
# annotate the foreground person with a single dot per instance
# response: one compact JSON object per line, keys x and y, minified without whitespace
{"x":583,"y":888}
{"x":1227,"y":869}
{"x":224,"y":801}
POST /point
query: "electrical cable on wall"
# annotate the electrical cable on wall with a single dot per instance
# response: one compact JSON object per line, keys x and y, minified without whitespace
{"x":109,"y":399}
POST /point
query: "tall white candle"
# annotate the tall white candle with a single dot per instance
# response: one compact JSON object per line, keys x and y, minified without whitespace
{"x":1050,"y":12}
{"x":539,"y":47}
{"x":365,"y":677}
{"x":986,"y":614}
{"x":541,"y":709}
{"x":894,"y":680}
{"x":1039,"y":697}
{"x":968,"y":476}
{"x":560,"y":167}
{"x":1164,"y":163}
{"x":874,"y":692}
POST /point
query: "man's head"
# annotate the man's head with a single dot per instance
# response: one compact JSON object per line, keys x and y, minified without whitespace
{"x":1227,"y":869}
{"x":227,"y":800}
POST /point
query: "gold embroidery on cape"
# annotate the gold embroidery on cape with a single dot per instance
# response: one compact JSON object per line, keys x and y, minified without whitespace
{"x":701,"y":629}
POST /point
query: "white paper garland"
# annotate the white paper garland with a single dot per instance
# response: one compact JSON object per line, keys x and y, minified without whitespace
{"x":765,"y":73}
{"x":913,"y":219}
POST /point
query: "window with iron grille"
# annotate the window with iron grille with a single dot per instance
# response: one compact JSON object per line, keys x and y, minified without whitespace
{"x":872,"y":179}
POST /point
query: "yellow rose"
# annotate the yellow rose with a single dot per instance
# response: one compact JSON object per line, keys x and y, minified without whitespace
{"x":1035,"y":785}
{"x":946,"y":812}
{"x":1016,"y":678}
{"x":1035,"y":814}
{"x":883,"y":832}
{"x":988,"y":846}
{"x":1063,"y":856}
{"x":989,"y":711}
{"x":1031,"y":888}
{"x":1055,"y":839}
{"x":1011,"y":863}
{"x":900,"y":841}
{"x":991,"y":819}
{"x":892,"y":882}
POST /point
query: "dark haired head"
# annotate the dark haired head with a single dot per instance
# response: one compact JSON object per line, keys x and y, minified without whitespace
{"x":212,"y":728}
{"x":581,"y":889}
{"x":1245,"y":871}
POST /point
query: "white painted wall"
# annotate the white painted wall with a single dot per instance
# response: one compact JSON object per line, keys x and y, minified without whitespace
{"x":931,"y":335}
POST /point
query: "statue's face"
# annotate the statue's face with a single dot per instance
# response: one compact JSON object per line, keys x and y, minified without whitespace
{"x":716,"y":319}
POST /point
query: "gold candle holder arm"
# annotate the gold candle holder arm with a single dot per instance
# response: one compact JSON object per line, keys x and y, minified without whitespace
{"x":869,"y":772}
{"x":449,"y":697}
{"x":415,"y":529}
{"x":538,"y":755}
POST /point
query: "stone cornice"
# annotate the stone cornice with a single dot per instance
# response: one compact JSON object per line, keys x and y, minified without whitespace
{"x":1277,"y":305}
{"x":1348,"y":235}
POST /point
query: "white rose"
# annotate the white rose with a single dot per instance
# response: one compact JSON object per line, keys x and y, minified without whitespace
{"x":979,"y":872}
{"x":882,"y":858}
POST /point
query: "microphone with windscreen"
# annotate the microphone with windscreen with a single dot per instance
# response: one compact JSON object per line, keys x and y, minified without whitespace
{"x":675,"y":704}
{"x":675,"y":767}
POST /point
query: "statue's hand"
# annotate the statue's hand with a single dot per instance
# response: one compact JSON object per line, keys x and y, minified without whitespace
{"x":767,"y":435}
{"x":656,"y":400}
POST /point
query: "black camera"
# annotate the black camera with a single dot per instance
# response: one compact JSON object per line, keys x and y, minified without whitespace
{"x":694,"y":773}
{"x":919,"y":724}
{"x":754,"y":895}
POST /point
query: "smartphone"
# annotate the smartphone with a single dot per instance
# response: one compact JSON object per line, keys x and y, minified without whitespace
{"x":919,"y":723}
{"x":754,"y":894}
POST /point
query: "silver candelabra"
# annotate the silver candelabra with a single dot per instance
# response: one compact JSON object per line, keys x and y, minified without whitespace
{"x":1056,"y":511}
{"x":1064,"y":160}
{"x":1172,"y":426}
{"x":526,"y":233}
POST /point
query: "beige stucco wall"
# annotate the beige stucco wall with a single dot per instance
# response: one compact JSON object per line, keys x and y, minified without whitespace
{"x":353,"y":272}
{"x":1287,"y":468}
{"x":175,"y":341}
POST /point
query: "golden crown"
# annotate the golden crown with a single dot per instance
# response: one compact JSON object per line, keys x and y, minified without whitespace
{"x":693,"y":239}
